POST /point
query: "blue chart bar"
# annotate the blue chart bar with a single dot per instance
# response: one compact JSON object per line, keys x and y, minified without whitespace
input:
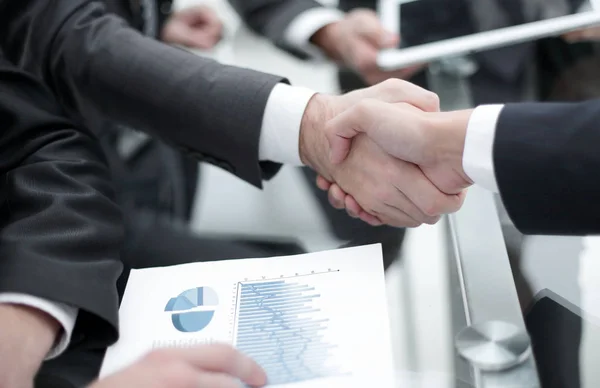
{"x":279,"y":328}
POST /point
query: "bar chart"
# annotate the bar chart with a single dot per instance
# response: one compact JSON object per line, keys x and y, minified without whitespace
{"x":280,"y":326}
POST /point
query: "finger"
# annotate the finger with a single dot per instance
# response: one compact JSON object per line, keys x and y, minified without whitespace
{"x":367,"y":26}
{"x":200,"y":14}
{"x":341,"y":129}
{"x":392,"y":216}
{"x":323,"y":183}
{"x":227,"y":360}
{"x":336,"y":197}
{"x":352,"y":206}
{"x":204,"y":40}
{"x":370,"y":219}
{"x":410,"y":71}
{"x":403,"y":203}
{"x":216,"y":380}
{"x":425,"y":195}
{"x":377,"y":75}
{"x":396,"y":90}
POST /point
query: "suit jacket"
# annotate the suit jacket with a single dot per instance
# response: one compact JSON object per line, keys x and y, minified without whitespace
{"x":270,"y":18}
{"x":100,"y":68}
{"x":547,"y":165}
{"x":60,"y":231}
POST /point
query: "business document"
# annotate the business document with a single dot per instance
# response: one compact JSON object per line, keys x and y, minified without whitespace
{"x":311,"y":320}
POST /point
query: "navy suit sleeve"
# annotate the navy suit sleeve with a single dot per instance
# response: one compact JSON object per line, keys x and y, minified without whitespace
{"x":547,"y":164}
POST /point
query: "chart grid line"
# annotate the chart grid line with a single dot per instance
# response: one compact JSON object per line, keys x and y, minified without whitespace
{"x":280,"y":325}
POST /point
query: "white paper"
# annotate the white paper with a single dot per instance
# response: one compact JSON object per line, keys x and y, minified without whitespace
{"x":311,"y":320}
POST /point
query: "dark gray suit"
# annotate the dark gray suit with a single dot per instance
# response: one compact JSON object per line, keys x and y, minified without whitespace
{"x":60,"y":229}
{"x":104,"y":73}
{"x":103,"y":70}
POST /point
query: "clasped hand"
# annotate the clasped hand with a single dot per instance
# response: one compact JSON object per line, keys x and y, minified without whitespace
{"x":376,"y":147}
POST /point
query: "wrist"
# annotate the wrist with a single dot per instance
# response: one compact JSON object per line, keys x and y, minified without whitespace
{"x":26,"y":337}
{"x":313,"y":145}
{"x":327,"y":39}
{"x":448,"y":137}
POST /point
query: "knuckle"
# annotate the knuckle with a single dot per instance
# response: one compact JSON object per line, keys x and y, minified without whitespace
{"x":410,"y":223}
{"x":226,"y":354}
{"x":415,"y":224}
{"x":382,"y":194}
{"x":433,"y":206}
{"x":161,"y":357}
{"x":363,"y":107}
{"x":433,"y":100}
{"x":180,"y":376}
{"x":432,"y":220}
{"x":392,"y":84}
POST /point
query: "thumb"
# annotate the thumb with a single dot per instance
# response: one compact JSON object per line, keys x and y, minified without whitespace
{"x":341,"y":129}
{"x":368,"y":27}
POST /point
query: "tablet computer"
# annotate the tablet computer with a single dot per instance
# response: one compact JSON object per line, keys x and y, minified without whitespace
{"x":434,"y":29}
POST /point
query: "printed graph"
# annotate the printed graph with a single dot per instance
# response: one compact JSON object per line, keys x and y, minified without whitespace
{"x":279,"y":326}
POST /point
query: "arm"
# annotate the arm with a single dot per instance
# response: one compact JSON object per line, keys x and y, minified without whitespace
{"x":26,"y":337}
{"x":546,"y":160}
{"x":307,"y":29}
{"x":60,"y":232}
{"x":542,"y":158}
{"x":102,"y":69}
{"x":274,"y":18}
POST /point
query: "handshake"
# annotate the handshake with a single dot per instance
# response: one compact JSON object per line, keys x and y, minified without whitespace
{"x":387,"y":154}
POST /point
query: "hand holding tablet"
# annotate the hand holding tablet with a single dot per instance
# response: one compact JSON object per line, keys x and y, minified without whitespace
{"x":578,"y":26}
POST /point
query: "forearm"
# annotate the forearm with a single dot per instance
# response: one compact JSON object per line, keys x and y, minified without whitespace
{"x":104,"y":70}
{"x":26,"y":336}
{"x":546,"y":160}
{"x":273,"y":19}
{"x":61,"y":229}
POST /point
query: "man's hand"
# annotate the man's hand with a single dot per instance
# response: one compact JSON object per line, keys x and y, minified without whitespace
{"x":433,"y":141}
{"x":210,"y":366}
{"x":26,"y":337}
{"x":395,"y":191}
{"x":586,"y":34}
{"x":355,"y":42}
{"x":196,"y":27}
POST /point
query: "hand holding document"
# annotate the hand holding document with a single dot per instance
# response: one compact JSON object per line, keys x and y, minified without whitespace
{"x":312,"y":320}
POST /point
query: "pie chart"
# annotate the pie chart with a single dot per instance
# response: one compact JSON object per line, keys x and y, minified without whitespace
{"x":193,"y":309}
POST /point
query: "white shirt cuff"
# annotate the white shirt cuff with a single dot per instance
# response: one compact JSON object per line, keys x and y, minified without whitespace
{"x":478,"y":156}
{"x":280,"y":133}
{"x":305,"y":25}
{"x":66,"y":315}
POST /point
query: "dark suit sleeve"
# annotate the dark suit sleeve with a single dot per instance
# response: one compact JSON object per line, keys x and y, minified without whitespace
{"x":547,"y":164}
{"x":101,"y":68}
{"x":60,"y":231}
{"x":271,"y":18}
